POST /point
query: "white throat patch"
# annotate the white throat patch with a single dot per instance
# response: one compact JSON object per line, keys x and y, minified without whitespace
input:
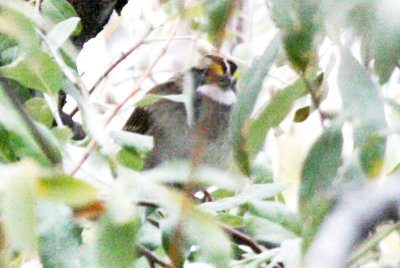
{"x":215,"y":93}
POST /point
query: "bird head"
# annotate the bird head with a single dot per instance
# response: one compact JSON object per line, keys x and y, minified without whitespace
{"x":219,"y":71}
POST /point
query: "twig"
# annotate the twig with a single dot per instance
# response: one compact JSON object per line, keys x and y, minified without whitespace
{"x":133,"y":92}
{"x":146,"y":203}
{"x":46,"y":148}
{"x":243,"y":238}
{"x":88,"y":151}
{"x":152,"y":257}
{"x":115,"y":64}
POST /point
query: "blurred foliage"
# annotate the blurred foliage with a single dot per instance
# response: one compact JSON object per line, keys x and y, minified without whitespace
{"x":111,"y":214}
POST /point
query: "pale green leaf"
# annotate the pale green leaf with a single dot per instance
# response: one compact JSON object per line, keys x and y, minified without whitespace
{"x":67,"y":190}
{"x":252,"y":82}
{"x":19,"y":205}
{"x":35,"y":70}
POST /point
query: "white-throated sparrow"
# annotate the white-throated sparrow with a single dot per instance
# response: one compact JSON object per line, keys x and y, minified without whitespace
{"x":205,"y":137}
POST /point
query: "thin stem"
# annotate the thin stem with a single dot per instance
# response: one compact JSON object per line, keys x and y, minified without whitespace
{"x":86,"y":155}
{"x":243,"y":238}
{"x":152,"y":257}
{"x":115,"y":64}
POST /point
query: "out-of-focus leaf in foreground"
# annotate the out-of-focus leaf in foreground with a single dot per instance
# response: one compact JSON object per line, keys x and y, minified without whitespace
{"x":318,"y":177}
{"x":19,"y":206}
{"x":67,"y":190}
{"x":35,"y":70}
{"x":252,"y":81}
{"x":59,"y":236}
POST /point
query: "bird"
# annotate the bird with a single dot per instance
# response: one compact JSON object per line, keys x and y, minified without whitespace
{"x":197,"y":130}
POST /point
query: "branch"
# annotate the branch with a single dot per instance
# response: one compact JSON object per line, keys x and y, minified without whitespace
{"x":115,"y":64}
{"x":243,"y":238}
{"x":152,"y":257}
{"x":133,"y":92}
{"x":355,"y":215}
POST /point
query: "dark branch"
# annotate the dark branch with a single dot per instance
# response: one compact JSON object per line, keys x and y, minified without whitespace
{"x":152,"y":257}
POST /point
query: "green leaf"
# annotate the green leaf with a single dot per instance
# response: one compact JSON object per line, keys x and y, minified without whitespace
{"x":321,"y":165}
{"x":130,"y":158}
{"x":231,"y":220}
{"x":19,"y":206}
{"x":182,"y":172}
{"x":19,"y":28}
{"x":302,"y":114}
{"x":27,"y":137}
{"x":361,"y":100}
{"x":252,"y":82}
{"x":191,"y":228}
{"x":253,"y":192}
{"x":266,"y":230}
{"x":372,"y":155}
{"x":58,"y":10}
{"x":59,"y":236}
{"x":317,"y":181}
{"x":141,"y":143}
{"x":272,"y":115}
{"x":277,"y":213}
{"x":63,"y":134}
{"x":218,"y":14}
{"x":35,"y":70}
{"x":40,"y":111}
{"x":6,"y":147}
{"x":66,"y":189}
{"x":62,"y":31}
{"x":115,"y":245}
{"x":299,"y":23}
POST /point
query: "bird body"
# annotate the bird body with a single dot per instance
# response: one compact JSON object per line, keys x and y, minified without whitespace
{"x":206,"y":139}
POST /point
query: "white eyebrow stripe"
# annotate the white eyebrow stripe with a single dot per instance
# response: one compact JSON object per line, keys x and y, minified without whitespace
{"x":227,"y":97}
{"x":228,"y":66}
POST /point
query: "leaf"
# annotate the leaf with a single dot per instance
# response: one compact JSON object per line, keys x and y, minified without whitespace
{"x":58,"y":10}
{"x":62,"y":31}
{"x":182,"y":172}
{"x":317,"y":181}
{"x":372,"y":155}
{"x":35,"y":70}
{"x":130,"y":158}
{"x":115,"y":245}
{"x":218,"y":14}
{"x":265,"y":230}
{"x":40,"y":111}
{"x":6,"y":147}
{"x":321,"y":165}
{"x":191,"y":228}
{"x":272,"y":115}
{"x":253,"y":192}
{"x":360,"y":97}
{"x":277,"y":213}
{"x":67,"y":190}
{"x":299,"y":22}
{"x":252,"y":82}
{"x":19,"y":205}
{"x":19,"y":28}
{"x":302,"y":114}
{"x":59,"y":236}
{"x":26,"y":137}
{"x":141,"y":143}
